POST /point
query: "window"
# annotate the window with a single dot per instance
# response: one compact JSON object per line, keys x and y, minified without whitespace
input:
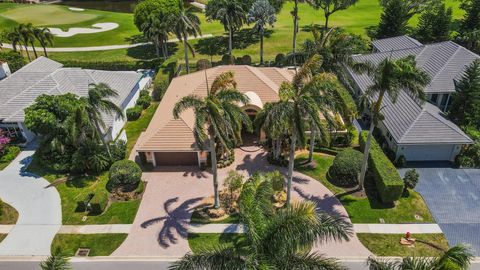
{"x":434,"y":98}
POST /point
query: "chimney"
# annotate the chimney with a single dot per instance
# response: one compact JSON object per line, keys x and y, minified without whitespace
{"x":4,"y":70}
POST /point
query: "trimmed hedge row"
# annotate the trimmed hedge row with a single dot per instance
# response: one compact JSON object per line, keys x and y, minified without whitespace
{"x":389,"y":183}
{"x":114,"y":66}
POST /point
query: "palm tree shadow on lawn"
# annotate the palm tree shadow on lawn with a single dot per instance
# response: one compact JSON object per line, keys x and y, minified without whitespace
{"x":175,"y":222}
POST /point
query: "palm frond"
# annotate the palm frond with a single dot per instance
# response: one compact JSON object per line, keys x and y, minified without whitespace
{"x":217,"y":258}
{"x":381,"y":264}
{"x":304,"y":261}
{"x":225,"y":80}
{"x":188,"y":102}
{"x":459,"y":255}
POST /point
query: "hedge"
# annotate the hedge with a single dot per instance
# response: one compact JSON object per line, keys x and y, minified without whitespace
{"x":160,"y":86}
{"x":144,"y":101}
{"x":389,"y":183}
{"x":114,"y":66}
{"x":346,"y":167}
{"x":11,"y":152}
{"x":125,"y":175}
{"x":134,"y":113}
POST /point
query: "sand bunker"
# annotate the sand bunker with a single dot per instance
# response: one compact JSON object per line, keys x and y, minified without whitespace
{"x":76,"y":9}
{"x":97,"y":28}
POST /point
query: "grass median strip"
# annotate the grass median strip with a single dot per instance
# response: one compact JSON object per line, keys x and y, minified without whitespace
{"x":201,"y":241}
{"x":99,"y":244}
{"x":8,"y":214}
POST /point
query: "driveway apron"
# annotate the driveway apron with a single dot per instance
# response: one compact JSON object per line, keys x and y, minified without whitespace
{"x":38,"y":206}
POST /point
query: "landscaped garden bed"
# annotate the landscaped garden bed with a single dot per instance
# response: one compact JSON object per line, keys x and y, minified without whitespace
{"x":99,"y":244}
{"x":426,"y":245}
{"x":8,"y":214}
{"x":368,"y":209}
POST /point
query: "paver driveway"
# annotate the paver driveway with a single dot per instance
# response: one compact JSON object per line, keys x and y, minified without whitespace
{"x":453,"y":196}
{"x":161,"y":225}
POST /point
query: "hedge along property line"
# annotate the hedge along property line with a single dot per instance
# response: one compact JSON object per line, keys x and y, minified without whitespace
{"x":388,"y":181}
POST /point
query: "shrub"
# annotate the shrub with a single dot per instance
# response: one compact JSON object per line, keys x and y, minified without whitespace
{"x":11,"y":152}
{"x":14,"y":59}
{"x":144,"y":101}
{"x":124,"y":175}
{"x":387,"y":180}
{"x":346,"y":167}
{"x":411,"y":179}
{"x":246,"y":60}
{"x":90,"y":157}
{"x":228,"y":59}
{"x":203,"y":64}
{"x":160,"y":86}
{"x":278,"y":181}
{"x":280,"y":60}
{"x":118,"y":149}
{"x":352,"y":135}
{"x":401,"y":161}
{"x":144,"y":93}
{"x":134,"y":113}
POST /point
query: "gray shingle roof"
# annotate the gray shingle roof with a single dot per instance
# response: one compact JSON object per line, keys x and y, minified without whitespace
{"x":45,"y":76}
{"x":407,"y":120}
{"x":395,"y":43}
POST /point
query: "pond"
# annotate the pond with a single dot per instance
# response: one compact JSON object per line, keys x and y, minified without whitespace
{"x":125,"y":6}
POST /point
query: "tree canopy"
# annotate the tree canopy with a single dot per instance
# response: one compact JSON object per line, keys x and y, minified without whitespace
{"x":471,"y":20}
{"x":14,"y":59}
{"x":157,"y":8}
{"x":465,"y":108}
{"x":434,"y":24}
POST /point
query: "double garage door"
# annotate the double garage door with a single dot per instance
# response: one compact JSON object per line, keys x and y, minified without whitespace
{"x":176,"y":158}
{"x":428,"y":152}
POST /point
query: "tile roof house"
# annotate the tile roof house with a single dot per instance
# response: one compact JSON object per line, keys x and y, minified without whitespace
{"x":169,"y":141}
{"x":421,"y":131}
{"x":45,"y":76}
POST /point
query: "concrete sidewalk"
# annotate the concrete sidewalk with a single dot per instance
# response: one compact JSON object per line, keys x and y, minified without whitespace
{"x":358,"y":228}
{"x":82,"y":229}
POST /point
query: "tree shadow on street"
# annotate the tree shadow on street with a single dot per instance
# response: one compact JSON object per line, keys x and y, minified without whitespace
{"x":175,"y":222}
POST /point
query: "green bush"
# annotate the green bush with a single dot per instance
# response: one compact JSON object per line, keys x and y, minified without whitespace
{"x":228,"y":59}
{"x":118,"y":149}
{"x":134,"y":113}
{"x":157,"y":8}
{"x":280,"y":60}
{"x":387,"y":180}
{"x":352,"y":135}
{"x":346,"y":167}
{"x":124,"y":175}
{"x":160,"y":86}
{"x":411,"y":179}
{"x":11,"y":152}
{"x":246,"y":60}
{"x":14,"y":59}
{"x":203,"y":64}
{"x":144,"y":101}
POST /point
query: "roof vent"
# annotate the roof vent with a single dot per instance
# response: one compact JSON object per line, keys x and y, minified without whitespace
{"x":4,"y":70}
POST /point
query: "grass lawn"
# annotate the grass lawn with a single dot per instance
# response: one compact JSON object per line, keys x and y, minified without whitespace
{"x":75,"y":190}
{"x":135,"y":128}
{"x":199,"y":241}
{"x":5,"y":163}
{"x":389,"y":244}
{"x":2,"y":236}
{"x":8,"y":214}
{"x":367,"y":210}
{"x":60,"y":16}
{"x":99,"y":244}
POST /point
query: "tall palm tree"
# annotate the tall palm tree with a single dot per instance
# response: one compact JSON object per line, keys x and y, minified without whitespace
{"x":389,"y":78}
{"x":26,"y":36}
{"x":298,"y":103}
{"x":275,"y":130}
{"x":44,"y":36}
{"x":274,"y":238}
{"x":99,"y":102}
{"x":218,"y":118}
{"x":156,"y":30}
{"x":457,"y":257}
{"x":186,"y":23}
{"x":13,"y":38}
{"x":262,"y":14}
{"x":230,"y":13}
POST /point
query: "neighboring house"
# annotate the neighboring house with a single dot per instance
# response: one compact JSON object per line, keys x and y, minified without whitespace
{"x":170,"y":142}
{"x":421,"y":131}
{"x":44,"y":76}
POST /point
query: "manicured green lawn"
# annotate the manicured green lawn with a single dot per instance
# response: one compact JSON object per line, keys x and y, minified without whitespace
{"x":135,"y":128}
{"x":99,"y":244}
{"x":368,"y":210}
{"x":389,"y":244}
{"x":2,"y":236}
{"x":200,"y":241}
{"x":5,"y":163}
{"x":61,"y":17}
{"x":75,"y":190}
{"x":8,"y":214}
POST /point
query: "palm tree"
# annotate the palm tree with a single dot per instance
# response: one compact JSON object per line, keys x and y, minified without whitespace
{"x":389,"y":78}
{"x":55,"y":261}
{"x":25,"y":36}
{"x":44,"y":36}
{"x":457,"y":257}
{"x":298,"y":103}
{"x":218,"y":118}
{"x":274,"y":238}
{"x":13,"y":37}
{"x":331,"y":6}
{"x":230,"y":13}
{"x":186,"y":23}
{"x":97,"y":103}
{"x":262,"y":14}
{"x":275,"y":130}
{"x":157,"y":29}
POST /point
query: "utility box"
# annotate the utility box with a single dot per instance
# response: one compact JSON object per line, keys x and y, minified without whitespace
{"x":4,"y":70}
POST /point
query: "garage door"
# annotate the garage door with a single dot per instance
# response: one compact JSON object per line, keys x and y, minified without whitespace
{"x":176,"y":158}
{"x":428,"y":152}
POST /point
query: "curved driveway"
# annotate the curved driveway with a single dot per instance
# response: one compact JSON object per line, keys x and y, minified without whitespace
{"x":162,"y":222}
{"x":39,"y":208}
